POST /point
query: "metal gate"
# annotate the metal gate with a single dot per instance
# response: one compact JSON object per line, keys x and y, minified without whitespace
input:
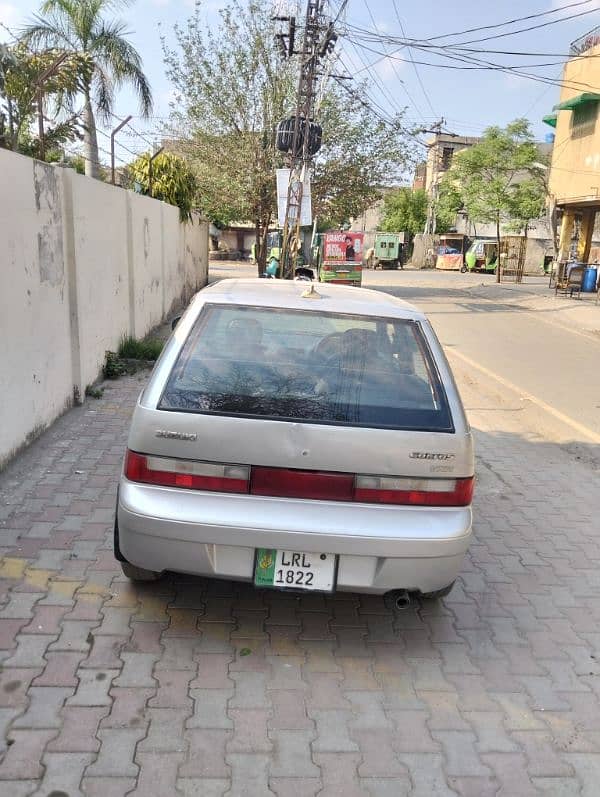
{"x":512,"y":258}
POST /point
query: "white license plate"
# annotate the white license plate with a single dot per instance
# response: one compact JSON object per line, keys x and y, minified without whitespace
{"x":295,"y":570}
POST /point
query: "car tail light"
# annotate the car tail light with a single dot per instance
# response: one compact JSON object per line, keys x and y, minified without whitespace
{"x":327,"y":268}
{"x":186,"y":473}
{"x":414,"y":492}
{"x":288,"y":483}
{"x":314,"y":484}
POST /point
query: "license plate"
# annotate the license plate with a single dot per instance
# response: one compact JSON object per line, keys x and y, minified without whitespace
{"x":295,"y":570}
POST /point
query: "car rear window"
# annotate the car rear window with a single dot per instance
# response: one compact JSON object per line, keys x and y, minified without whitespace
{"x":310,"y":366}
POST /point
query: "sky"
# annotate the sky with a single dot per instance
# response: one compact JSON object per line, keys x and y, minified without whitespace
{"x":468,"y":100}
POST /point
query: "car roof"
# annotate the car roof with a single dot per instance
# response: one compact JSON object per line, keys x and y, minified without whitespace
{"x":291,"y":294}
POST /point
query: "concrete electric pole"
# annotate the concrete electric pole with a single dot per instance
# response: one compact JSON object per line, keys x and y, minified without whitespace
{"x":318,"y":41}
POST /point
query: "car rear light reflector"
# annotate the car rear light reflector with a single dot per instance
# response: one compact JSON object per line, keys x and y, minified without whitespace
{"x":414,"y":492}
{"x":190,"y":474}
{"x":285,"y":483}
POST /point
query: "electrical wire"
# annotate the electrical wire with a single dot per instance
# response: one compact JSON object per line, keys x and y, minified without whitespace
{"x":410,"y":99}
{"x":425,"y":94}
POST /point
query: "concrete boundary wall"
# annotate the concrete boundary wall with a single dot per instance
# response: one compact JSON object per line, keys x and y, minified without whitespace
{"x":82,"y":264}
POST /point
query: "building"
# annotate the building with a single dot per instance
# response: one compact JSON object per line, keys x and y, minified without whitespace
{"x":420,"y":176}
{"x":574,"y":180}
{"x":440,"y":151}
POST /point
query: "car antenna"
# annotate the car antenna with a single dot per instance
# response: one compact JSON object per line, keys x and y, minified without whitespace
{"x":311,"y":293}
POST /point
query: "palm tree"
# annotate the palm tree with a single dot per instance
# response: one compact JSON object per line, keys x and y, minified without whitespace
{"x":78,"y":26}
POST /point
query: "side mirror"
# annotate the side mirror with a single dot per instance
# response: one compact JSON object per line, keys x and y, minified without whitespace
{"x":175,"y":321}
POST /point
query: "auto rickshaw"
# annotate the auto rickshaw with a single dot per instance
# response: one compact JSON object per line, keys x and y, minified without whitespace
{"x":450,"y":252}
{"x":481,"y":256}
{"x":339,"y":257}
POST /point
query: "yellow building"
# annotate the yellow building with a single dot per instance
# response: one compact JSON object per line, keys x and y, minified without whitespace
{"x":574,"y":182}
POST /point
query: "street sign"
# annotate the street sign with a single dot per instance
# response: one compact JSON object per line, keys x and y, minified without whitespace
{"x":283,"y":182}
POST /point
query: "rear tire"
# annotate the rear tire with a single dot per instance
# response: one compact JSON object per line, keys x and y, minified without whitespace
{"x":438,"y":593}
{"x":463,"y":269}
{"x":135,"y":573}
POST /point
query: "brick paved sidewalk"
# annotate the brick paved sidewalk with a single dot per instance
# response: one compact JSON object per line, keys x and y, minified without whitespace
{"x":193,"y":687}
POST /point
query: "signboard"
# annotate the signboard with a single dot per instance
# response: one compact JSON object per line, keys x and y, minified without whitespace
{"x":343,"y":247}
{"x":283,"y":182}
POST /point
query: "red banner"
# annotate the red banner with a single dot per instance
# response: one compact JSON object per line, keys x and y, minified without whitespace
{"x":343,"y":247}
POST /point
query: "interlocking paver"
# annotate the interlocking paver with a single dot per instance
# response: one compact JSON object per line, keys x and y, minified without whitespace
{"x":63,"y":773}
{"x":333,"y":731}
{"x":128,"y":707}
{"x":93,"y":688}
{"x":116,"y":756}
{"x":137,"y":670}
{"x":79,"y":728}
{"x":249,"y":775}
{"x":212,"y":671}
{"x":339,"y":776}
{"x":45,"y":703}
{"x":23,"y":758}
{"x":249,"y":731}
{"x":165,"y":732}
{"x":206,"y":754}
{"x":292,"y":754}
{"x":158,"y":773}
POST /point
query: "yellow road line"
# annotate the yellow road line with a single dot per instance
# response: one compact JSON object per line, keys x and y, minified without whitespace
{"x":560,"y":416}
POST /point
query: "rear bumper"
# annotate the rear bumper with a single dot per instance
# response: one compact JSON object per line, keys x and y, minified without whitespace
{"x":380,"y":548}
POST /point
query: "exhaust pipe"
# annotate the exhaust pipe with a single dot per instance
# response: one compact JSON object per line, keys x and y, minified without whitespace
{"x":398,"y":599}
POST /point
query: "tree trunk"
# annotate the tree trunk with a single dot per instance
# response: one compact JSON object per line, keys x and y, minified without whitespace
{"x":498,"y":261}
{"x":90,"y":139}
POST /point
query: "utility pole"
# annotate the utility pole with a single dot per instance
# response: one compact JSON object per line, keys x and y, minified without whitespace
{"x":434,"y":191}
{"x":318,"y":41}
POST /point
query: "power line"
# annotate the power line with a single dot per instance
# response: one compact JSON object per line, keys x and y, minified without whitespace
{"x":411,"y":100}
{"x":427,"y":98}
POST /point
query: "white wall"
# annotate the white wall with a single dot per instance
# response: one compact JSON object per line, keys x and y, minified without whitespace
{"x":82,"y":264}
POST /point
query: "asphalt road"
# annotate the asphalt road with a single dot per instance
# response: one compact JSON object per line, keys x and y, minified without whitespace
{"x":532,"y":352}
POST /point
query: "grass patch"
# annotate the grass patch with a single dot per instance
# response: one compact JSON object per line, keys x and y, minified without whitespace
{"x":131,"y":348}
{"x":94,"y":392}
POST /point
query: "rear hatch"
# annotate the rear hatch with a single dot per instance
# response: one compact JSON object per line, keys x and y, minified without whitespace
{"x":316,"y":405}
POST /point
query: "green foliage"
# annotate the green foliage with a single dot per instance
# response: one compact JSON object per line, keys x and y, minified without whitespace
{"x":80,"y":27}
{"x":113,"y":367}
{"x":94,"y":392}
{"x":404,"y":209}
{"x":361,"y":154}
{"x":131,"y":348}
{"x":496,"y":178}
{"x":20,"y":73}
{"x":232,"y":89}
{"x":173,"y":181}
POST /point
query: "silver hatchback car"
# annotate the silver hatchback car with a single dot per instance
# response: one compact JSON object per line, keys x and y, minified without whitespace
{"x":303,"y":439}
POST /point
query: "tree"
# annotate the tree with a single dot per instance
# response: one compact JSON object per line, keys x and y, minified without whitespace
{"x":404,"y":209}
{"x":172,"y":181}
{"x":20,"y":73}
{"x":78,"y":26}
{"x":487,"y":176}
{"x":231,"y":90}
{"x":362,"y":153}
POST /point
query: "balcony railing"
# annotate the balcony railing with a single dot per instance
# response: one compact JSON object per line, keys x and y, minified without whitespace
{"x":585,"y":42}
